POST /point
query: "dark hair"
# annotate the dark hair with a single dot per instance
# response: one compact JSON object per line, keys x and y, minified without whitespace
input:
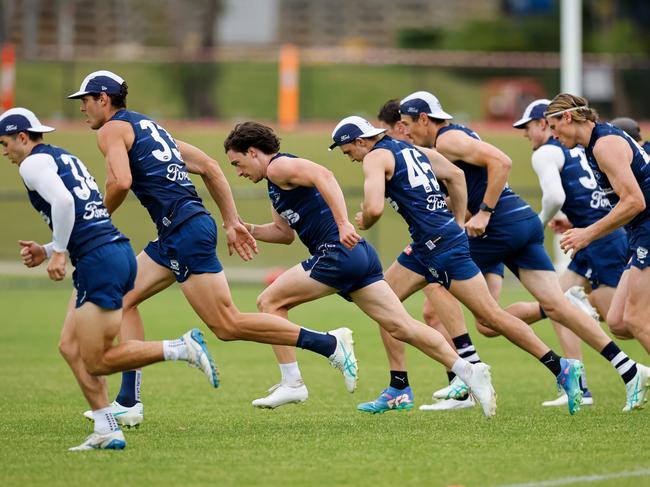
{"x":119,"y":100}
{"x":33,"y":136}
{"x":389,"y":112}
{"x":252,"y":134}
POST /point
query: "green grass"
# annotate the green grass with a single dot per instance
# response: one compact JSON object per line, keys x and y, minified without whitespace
{"x":19,"y":221}
{"x":194,"y":435}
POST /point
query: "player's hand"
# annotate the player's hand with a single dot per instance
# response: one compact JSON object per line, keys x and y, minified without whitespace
{"x":358,"y":219}
{"x":56,"y":267}
{"x":31,"y":253}
{"x":476,"y":225}
{"x":348,"y":236}
{"x":560,"y":225}
{"x":575,"y":239}
{"x":241,"y":241}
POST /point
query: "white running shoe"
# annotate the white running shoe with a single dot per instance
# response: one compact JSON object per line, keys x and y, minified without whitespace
{"x":576,"y":295}
{"x":199,"y":355}
{"x":562,"y":400}
{"x":111,"y":441}
{"x":281,"y":394}
{"x":343,"y":357}
{"x":128,"y":417}
{"x":456,"y":389}
{"x":480,"y":386}
{"x":449,"y":404}
{"x":637,"y":389}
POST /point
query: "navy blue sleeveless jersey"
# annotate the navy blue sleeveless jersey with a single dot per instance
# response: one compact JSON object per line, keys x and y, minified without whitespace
{"x":305,"y":211}
{"x":92,"y":225}
{"x":585,"y":203}
{"x":639,"y":166}
{"x":160,"y":179}
{"x":414,"y":192}
{"x":510,"y":206}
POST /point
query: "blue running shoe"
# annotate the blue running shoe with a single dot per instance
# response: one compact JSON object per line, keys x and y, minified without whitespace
{"x":199,"y":355}
{"x":390,"y":399}
{"x":569,"y":380}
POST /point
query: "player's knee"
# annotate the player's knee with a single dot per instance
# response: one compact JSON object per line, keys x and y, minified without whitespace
{"x":266,"y":304}
{"x":68,"y":349}
{"x":429,"y":316}
{"x":631,"y":324}
{"x":94,"y":366}
{"x":617,"y":325}
{"x":486,"y":331}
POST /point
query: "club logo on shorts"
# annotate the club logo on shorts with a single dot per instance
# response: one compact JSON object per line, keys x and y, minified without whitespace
{"x":408,"y":250}
{"x":434,"y":272}
{"x":641,"y":254}
{"x":174,"y":265}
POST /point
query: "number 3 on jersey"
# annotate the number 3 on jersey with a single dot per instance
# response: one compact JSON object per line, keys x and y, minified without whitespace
{"x":157,"y":132}
{"x":86,"y":182}
{"x":417,"y":171}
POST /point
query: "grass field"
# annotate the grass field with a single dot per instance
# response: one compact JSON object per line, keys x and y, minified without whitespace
{"x":194,"y":435}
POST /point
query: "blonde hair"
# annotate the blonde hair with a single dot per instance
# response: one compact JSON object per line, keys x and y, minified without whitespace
{"x":576,"y":105}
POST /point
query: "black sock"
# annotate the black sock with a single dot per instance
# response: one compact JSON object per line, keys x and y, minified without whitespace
{"x":322,"y":343}
{"x":625,"y":366}
{"x":552,"y":362}
{"x":399,"y":379}
{"x":127,"y":394}
{"x":450,"y":375}
{"x":465,"y":348}
{"x":542,"y":312}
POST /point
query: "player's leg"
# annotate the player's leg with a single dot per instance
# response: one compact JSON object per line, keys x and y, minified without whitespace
{"x":494,"y":282}
{"x":93,"y":387}
{"x":617,"y":307}
{"x":380,"y":303}
{"x":545,"y":287}
{"x":291,"y":288}
{"x":151,"y":278}
{"x":447,"y":308}
{"x":209,"y":296}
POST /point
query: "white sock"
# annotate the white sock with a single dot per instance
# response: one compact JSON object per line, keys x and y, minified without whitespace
{"x":175,"y":349}
{"x":105,"y":421}
{"x":463,"y":369}
{"x":138,"y":381}
{"x":290,"y":373}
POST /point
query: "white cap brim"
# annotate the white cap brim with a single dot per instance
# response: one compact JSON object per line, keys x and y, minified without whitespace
{"x":79,"y":94}
{"x":519,"y":124}
{"x":41,"y":129}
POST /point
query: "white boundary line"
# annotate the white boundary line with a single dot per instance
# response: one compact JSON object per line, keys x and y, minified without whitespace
{"x":587,"y":478}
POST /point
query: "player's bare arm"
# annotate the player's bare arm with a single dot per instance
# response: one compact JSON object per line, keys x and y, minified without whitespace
{"x":277,"y":231}
{"x":114,"y":140}
{"x":198,"y":162}
{"x":456,"y":145}
{"x":291,"y":172}
{"x":377,"y":166}
{"x":613,"y":155}
{"x":454,"y":180}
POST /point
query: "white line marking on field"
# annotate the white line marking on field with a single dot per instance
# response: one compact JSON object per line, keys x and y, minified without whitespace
{"x":587,"y":478}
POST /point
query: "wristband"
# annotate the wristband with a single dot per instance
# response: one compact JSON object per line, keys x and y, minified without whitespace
{"x":485,"y":207}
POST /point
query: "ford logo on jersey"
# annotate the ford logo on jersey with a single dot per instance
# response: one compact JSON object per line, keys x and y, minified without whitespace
{"x":176,"y":172}
{"x":95,"y":209}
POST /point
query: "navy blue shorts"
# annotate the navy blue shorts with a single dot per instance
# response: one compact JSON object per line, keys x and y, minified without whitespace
{"x":441,"y":268}
{"x":104,"y":275}
{"x":518,"y":245}
{"x":639,"y":238}
{"x":189,"y":249}
{"x":345,"y":270}
{"x":603,"y":261}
